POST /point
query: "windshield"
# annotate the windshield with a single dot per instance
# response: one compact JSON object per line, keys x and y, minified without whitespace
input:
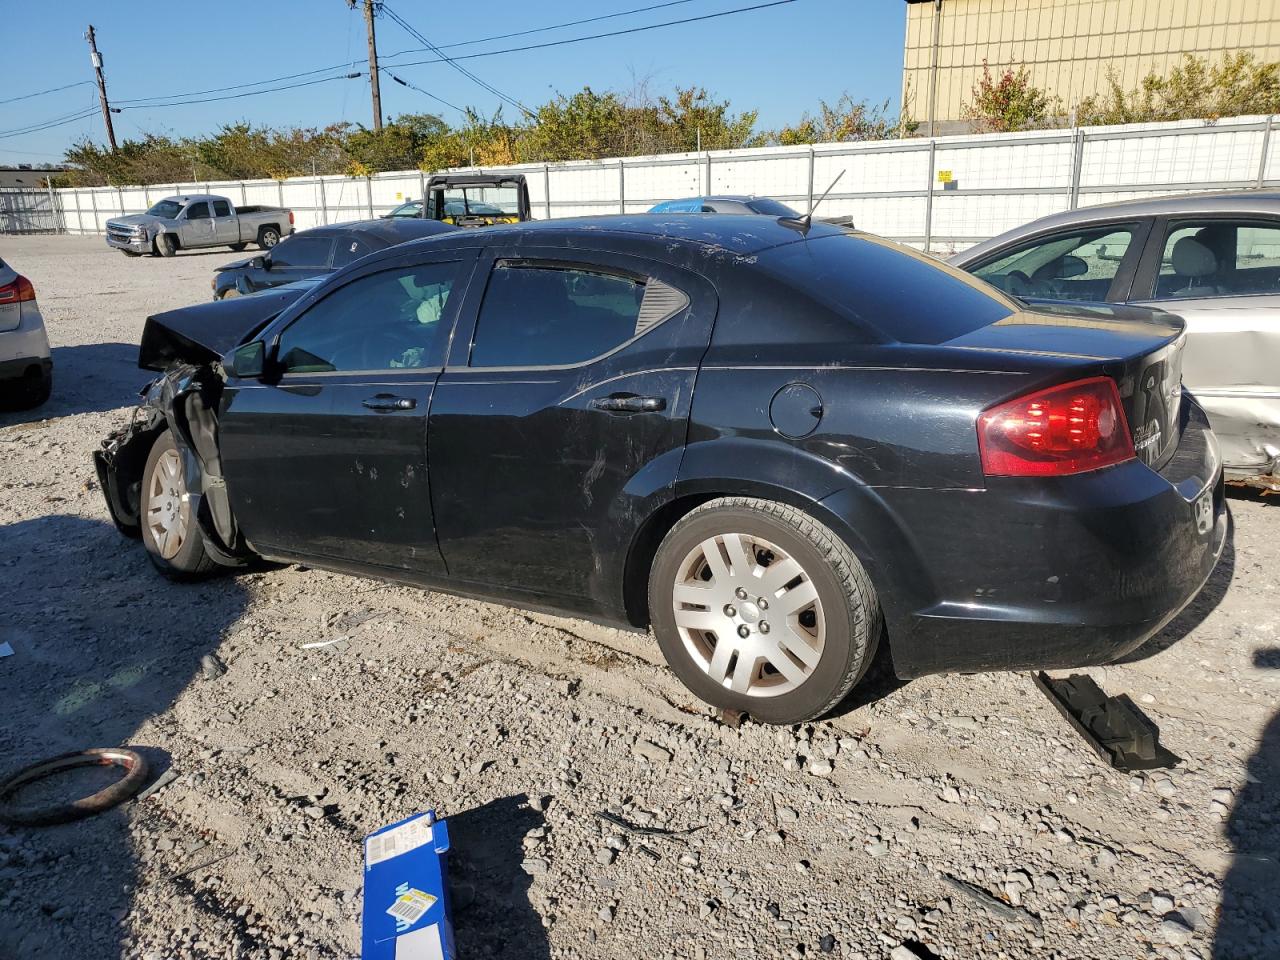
{"x":480,"y":201}
{"x":166,"y":208}
{"x":411,"y":208}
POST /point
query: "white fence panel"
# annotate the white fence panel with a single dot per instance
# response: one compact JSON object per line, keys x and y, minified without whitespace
{"x":939,"y":194}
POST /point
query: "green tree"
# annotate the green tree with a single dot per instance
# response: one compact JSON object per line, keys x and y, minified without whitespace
{"x":692,"y":116}
{"x":1195,"y":89}
{"x":1009,"y":102}
{"x":587,"y":125}
{"x":399,"y":145}
{"x":843,"y":121}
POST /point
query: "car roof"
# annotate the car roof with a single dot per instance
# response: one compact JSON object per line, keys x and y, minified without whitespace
{"x":728,"y":232}
{"x":387,"y":232}
{"x":1222,"y":201}
{"x":192,"y":197}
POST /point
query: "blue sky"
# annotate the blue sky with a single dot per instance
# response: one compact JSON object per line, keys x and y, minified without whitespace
{"x":780,"y":60}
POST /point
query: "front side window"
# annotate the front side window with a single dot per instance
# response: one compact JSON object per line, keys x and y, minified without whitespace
{"x":198,"y":211}
{"x":553,"y":316}
{"x":391,"y":320}
{"x":1076,"y":265}
{"x":298,"y":251}
{"x":168,"y":209}
{"x":412,"y":208}
{"x":221,"y":208}
{"x":1219,"y":258}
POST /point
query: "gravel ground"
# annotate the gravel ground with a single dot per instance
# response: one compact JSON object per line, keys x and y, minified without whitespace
{"x":843,"y":837}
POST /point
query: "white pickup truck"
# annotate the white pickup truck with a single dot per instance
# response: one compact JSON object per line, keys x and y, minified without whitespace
{"x":198,"y":220}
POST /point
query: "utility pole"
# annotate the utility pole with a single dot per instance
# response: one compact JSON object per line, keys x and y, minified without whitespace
{"x":373,"y":65}
{"x":96,"y":57}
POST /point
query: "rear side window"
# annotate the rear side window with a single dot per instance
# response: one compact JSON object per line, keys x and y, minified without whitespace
{"x":553,"y":316}
{"x":904,"y":295}
{"x":221,"y":208}
{"x":770,"y":207}
{"x":302,"y":252}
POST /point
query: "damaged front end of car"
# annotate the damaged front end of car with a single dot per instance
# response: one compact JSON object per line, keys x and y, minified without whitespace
{"x":185,"y":346}
{"x":184,"y":400}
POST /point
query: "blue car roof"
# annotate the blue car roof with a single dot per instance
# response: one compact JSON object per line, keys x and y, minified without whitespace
{"x":687,"y":205}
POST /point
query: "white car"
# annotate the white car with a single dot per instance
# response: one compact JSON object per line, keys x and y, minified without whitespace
{"x":26,"y":367}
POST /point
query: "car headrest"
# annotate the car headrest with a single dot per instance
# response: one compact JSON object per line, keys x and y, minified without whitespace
{"x":1191,"y":258}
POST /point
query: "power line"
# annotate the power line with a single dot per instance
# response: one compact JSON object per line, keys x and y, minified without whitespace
{"x":41,"y":93}
{"x":599,"y":36}
{"x":252,"y":93}
{"x":554,"y":26}
{"x":414,"y":86}
{"x":49,"y":124}
{"x":408,"y":28}
{"x":234,"y":86}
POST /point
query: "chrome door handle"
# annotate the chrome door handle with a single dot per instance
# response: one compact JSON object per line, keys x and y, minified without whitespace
{"x":384,"y":401}
{"x":621,"y":403}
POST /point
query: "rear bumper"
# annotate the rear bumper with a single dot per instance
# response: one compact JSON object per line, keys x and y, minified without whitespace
{"x":1030,"y":574}
{"x":20,"y":368}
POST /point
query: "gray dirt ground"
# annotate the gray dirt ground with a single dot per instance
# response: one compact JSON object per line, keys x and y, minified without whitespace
{"x":288,"y":759}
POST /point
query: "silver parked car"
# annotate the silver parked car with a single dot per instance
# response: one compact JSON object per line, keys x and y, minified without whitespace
{"x":1213,"y":259}
{"x":198,"y":220}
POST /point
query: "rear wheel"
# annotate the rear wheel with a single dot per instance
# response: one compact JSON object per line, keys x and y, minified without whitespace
{"x":758,"y":607}
{"x":268,"y":237}
{"x":165,"y":245}
{"x":169,"y":529}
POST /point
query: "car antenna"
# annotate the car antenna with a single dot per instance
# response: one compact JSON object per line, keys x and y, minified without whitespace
{"x":803,"y":223}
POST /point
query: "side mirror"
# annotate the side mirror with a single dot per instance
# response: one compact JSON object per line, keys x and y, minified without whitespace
{"x":246,"y":362}
{"x":260,"y":263}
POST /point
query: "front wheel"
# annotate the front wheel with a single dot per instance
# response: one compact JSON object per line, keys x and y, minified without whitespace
{"x":237,"y":247}
{"x":268,"y":237}
{"x":165,"y":245}
{"x":169,"y":527}
{"x":760,"y":608}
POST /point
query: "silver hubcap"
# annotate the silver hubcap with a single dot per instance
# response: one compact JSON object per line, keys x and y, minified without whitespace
{"x":749,"y":615}
{"x":168,"y":509}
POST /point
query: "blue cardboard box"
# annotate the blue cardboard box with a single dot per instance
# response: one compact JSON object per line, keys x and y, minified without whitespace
{"x":406,"y":905}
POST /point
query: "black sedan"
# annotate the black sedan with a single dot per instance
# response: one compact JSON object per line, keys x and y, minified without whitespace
{"x":775,"y":444}
{"x":316,"y":252}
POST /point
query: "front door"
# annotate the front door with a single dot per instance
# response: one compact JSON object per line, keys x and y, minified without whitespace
{"x":296,"y":257}
{"x":565,"y":405}
{"x":327,"y":460}
{"x":196,"y":229}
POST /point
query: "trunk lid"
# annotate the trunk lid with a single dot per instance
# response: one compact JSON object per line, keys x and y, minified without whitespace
{"x":1141,"y":349}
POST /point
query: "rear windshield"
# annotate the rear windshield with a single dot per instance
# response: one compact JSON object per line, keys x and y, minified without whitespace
{"x":905,"y":295}
{"x":770,"y":207}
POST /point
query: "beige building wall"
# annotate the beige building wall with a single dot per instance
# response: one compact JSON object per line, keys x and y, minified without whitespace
{"x":1069,"y":45}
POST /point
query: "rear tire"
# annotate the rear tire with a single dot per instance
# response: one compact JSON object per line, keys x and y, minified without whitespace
{"x":237,"y":247}
{"x":796,"y":646}
{"x":268,"y":237}
{"x":170,"y":531}
{"x":165,"y":245}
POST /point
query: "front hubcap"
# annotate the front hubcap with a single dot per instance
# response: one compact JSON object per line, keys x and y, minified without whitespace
{"x":749,"y":615}
{"x":168,"y":508}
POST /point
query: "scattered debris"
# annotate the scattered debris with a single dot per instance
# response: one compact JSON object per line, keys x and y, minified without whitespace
{"x":731,"y":718}
{"x":1117,"y":730}
{"x":64,"y":812}
{"x":991,"y":904}
{"x":200,"y":866}
{"x":627,"y":827}
{"x":651,"y":751}
{"x":211,"y":668}
{"x":160,"y":783}
{"x":319,"y":644}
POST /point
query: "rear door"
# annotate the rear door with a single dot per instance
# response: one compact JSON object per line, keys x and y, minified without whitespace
{"x":1222,"y":275}
{"x":562,"y":416}
{"x":328,"y":461}
{"x":226,"y":229}
{"x":296,"y":258}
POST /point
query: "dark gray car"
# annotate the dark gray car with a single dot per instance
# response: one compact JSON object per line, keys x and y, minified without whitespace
{"x":1213,"y":259}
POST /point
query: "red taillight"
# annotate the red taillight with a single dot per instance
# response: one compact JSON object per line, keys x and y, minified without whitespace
{"x":291,"y":218}
{"x":1051,"y":433}
{"x":17,"y":292}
